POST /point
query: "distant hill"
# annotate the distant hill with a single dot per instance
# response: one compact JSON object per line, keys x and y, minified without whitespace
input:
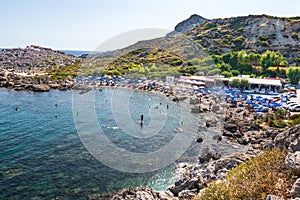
{"x":35,"y":58}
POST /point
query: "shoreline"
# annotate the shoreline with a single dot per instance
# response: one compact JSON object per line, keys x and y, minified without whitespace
{"x":186,"y":186}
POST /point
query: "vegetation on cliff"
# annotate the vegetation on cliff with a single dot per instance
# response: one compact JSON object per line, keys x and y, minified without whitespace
{"x":254,"y":179}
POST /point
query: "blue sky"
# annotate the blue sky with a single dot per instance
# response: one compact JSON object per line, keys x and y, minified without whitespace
{"x":85,"y":24}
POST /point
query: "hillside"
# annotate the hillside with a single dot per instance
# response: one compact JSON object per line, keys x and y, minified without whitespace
{"x":34,"y":58}
{"x":253,"y":33}
{"x":192,"y":47}
{"x":197,"y":37}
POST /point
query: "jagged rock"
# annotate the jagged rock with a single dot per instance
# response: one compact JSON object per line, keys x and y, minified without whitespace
{"x":206,"y":154}
{"x":231,"y":161}
{"x":268,"y":145}
{"x":293,"y":161}
{"x":38,"y":88}
{"x":274,"y":197}
{"x":243,"y":140}
{"x":187,"y":194}
{"x":272,"y":133}
{"x":295,"y":192}
{"x":288,"y":139}
{"x":184,"y":184}
{"x":295,"y":144}
{"x":9,"y":84}
{"x":232,"y":128}
{"x":141,"y":193}
{"x":189,"y":23}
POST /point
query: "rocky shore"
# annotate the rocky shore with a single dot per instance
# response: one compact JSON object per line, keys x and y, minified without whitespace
{"x":196,"y":177}
{"x":33,"y":83}
{"x":240,"y":128}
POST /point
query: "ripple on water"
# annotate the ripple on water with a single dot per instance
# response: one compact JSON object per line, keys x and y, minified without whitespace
{"x":43,"y":157}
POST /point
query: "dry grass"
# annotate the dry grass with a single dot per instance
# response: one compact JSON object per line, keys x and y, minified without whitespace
{"x":255,"y":179}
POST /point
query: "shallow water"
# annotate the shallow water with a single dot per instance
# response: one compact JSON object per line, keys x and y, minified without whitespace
{"x":42,"y":156}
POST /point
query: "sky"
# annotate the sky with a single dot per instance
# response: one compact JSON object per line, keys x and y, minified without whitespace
{"x":86,"y":24}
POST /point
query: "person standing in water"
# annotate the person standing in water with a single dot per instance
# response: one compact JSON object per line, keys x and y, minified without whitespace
{"x":142,"y":120}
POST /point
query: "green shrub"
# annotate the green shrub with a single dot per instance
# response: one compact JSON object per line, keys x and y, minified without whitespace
{"x":265,"y":43}
{"x":254,"y":179}
{"x":295,"y":36}
{"x":280,"y":113}
{"x":278,"y":124}
{"x":227,"y":74}
{"x":239,"y":41}
{"x":294,"y":120}
{"x":259,"y":121}
{"x":296,"y":116}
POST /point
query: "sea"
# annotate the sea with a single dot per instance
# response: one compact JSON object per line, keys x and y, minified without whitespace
{"x":43,"y":156}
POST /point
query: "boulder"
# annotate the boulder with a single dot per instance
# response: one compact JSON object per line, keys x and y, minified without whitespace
{"x":288,"y":139}
{"x":268,"y":145}
{"x":232,"y":128}
{"x":9,"y":84}
{"x":274,"y":197}
{"x":142,"y":193}
{"x":293,"y":161}
{"x":199,"y":139}
{"x":206,"y":154}
{"x":295,"y":191}
{"x":243,"y":140}
{"x":185,"y":184}
{"x":38,"y":88}
{"x":187,"y":194}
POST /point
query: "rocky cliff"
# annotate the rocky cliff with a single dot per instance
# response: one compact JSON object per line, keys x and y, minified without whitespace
{"x":190,"y":23}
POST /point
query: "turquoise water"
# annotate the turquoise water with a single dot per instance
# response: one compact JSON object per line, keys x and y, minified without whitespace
{"x":42,"y":156}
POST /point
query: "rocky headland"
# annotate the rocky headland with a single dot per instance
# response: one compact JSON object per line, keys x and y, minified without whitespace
{"x":36,"y":69}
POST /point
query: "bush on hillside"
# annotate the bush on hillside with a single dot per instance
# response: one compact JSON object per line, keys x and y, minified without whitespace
{"x":254,"y":179}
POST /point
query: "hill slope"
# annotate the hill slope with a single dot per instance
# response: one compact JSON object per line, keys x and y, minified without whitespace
{"x":253,"y":33}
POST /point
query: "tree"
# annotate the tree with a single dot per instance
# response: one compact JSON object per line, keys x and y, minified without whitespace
{"x":240,"y":83}
{"x":293,"y":73}
{"x":271,"y":59}
{"x":227,"y":74}
{"x":235,"y":82}
{"x":254,"y":59}
{"x":244,"y":83}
